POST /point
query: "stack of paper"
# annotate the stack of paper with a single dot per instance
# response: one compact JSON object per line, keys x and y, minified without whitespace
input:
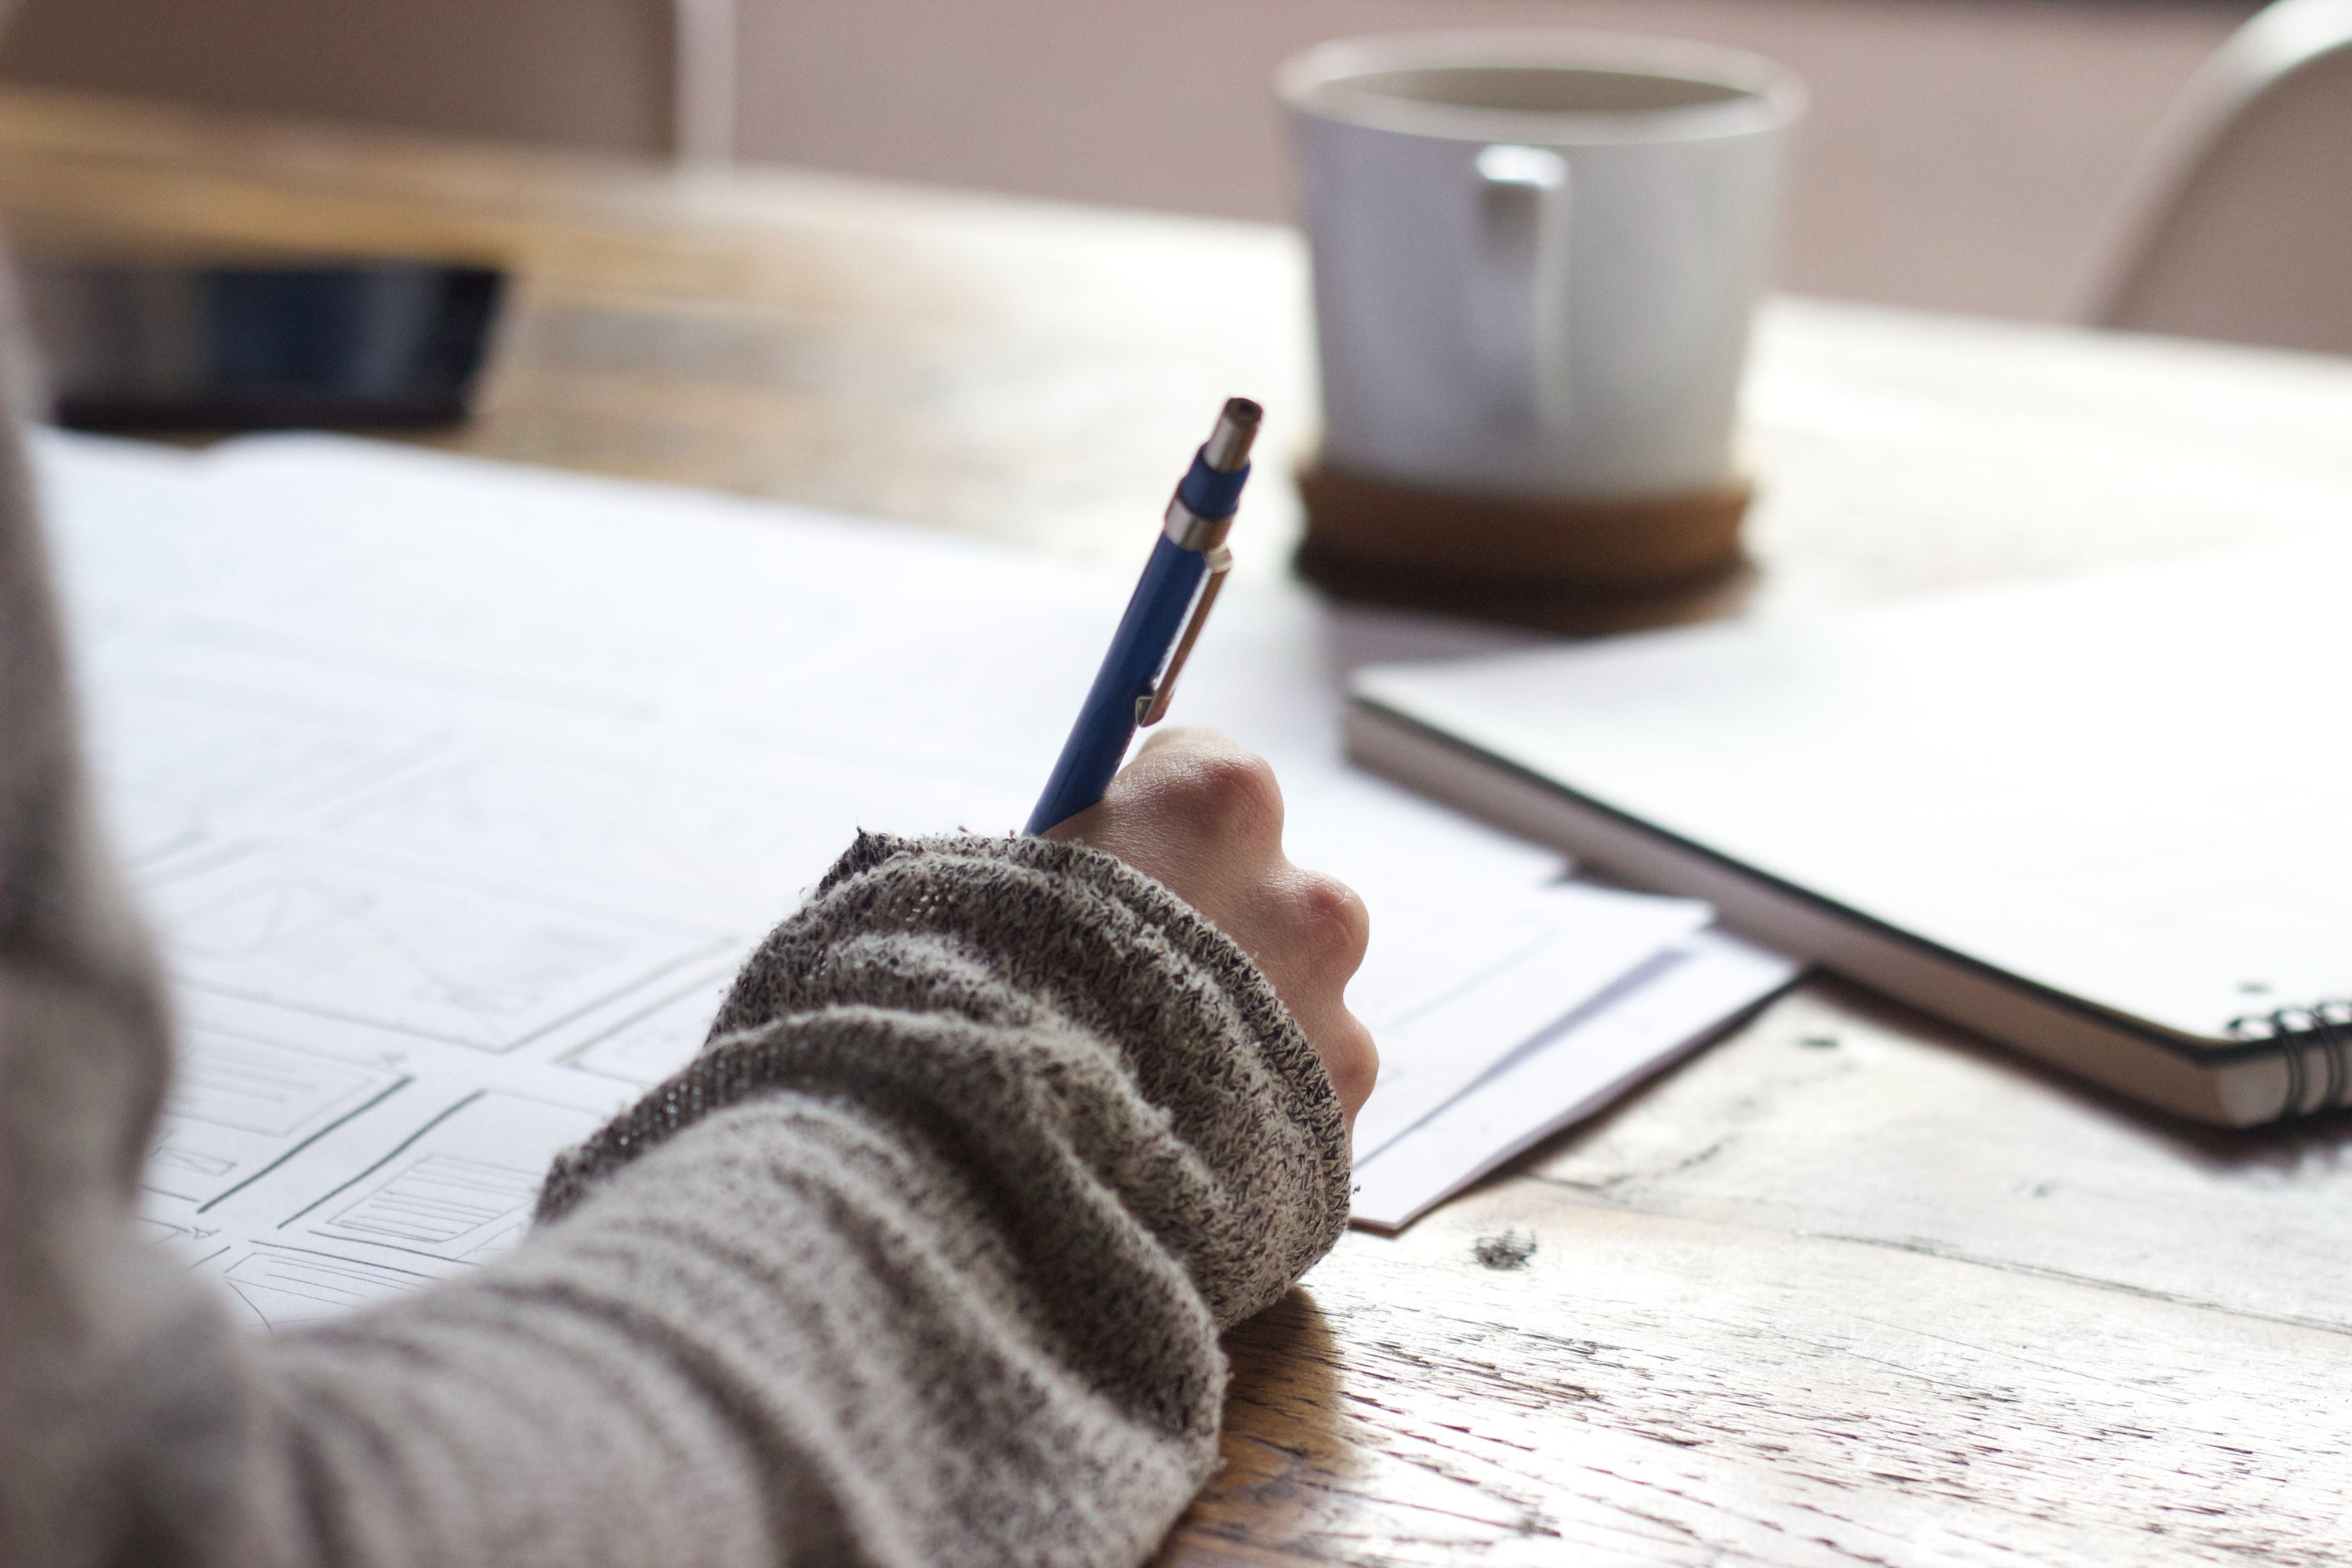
{"x":1682,"y":997}
{"x":457,"y":792}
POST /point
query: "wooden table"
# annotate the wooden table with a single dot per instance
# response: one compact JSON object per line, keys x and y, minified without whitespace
{"x":1847,"y":1288}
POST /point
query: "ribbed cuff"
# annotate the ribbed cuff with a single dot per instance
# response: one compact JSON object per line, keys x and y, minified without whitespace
{"x":1049,"y":936}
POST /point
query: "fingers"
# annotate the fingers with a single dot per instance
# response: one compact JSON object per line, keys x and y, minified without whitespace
{"x":1332,"y":923}
{"x":1325,"y":930}
{"x":1196,"y":811}
{"x":1189,"y":782}
{"x":1350,"y":1056}
{"x":1204,"y":816}
{"x":1309,"y":932}
{"x":1211,"y":785}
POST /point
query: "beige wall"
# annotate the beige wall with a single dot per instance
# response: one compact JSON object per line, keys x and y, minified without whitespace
{"x":1962,"y":155}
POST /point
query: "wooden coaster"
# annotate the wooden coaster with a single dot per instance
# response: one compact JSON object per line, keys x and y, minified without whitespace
{"x":1561,"y":564}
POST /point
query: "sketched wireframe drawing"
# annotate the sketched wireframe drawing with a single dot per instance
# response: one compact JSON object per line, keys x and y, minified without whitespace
{"x":239,"y":1105}
{"x":458,"y":1190}
{"x":282,"y":1285}
{"x":652,"y":1044}
{"x":303,"y":927}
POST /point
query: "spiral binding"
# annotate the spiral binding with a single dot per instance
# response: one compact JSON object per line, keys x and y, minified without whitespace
{"x":2327,"y":1026}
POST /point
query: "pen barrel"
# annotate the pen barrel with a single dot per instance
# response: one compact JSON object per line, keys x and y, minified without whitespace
{"x":1106,"y":724}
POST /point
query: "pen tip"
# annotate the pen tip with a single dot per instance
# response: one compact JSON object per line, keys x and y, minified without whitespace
{"x":1228,"y":445}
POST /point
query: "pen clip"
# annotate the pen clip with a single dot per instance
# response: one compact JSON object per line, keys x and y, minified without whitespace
{"x":1152,"y":706}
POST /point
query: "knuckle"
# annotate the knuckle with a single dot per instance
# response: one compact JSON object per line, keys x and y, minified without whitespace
{"x":1332,"y":919}
{"x":1353,"y":1062}
{"x":1233,"y":788}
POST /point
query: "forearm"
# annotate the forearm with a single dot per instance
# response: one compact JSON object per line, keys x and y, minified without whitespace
{"x":923,"y":1262}
{"x":780,"y":1339}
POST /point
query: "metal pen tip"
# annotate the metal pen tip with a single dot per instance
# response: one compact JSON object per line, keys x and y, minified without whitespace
{"x":1228,"y":446}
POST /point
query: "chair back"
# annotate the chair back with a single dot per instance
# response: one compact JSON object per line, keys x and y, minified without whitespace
{"x":2242,"y":228}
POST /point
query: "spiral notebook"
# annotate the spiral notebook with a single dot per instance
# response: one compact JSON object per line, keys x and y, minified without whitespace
{"x":2106,"y":820}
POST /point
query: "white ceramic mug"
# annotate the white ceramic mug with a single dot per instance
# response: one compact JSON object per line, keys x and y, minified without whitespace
{"x":1536,"y":255}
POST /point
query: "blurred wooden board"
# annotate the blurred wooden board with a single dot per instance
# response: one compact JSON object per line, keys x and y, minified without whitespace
{"x":1847,"y":1288}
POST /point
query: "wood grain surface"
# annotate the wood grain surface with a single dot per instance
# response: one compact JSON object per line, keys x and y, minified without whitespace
{"x":1845,"y":1289}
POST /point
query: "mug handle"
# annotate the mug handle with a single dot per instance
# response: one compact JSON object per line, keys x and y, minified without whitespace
{"x":1518,"y":295}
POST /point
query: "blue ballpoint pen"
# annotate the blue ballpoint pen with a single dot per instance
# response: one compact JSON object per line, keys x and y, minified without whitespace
{"x":1188,"y":564}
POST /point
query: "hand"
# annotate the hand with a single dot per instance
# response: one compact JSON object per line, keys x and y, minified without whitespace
{"x":1203,"y":817}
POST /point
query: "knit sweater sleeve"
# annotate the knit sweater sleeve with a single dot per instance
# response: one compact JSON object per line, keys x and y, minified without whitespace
{"x":922,"y":1260}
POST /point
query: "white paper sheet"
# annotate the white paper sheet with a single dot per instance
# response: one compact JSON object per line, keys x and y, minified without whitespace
{"x":458,"y":791}
{"x":1449,"y":991}
{"x":1648,"y":1021}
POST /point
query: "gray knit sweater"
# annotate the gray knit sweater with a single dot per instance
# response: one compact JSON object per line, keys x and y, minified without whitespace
{"x":923,"y":1260}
